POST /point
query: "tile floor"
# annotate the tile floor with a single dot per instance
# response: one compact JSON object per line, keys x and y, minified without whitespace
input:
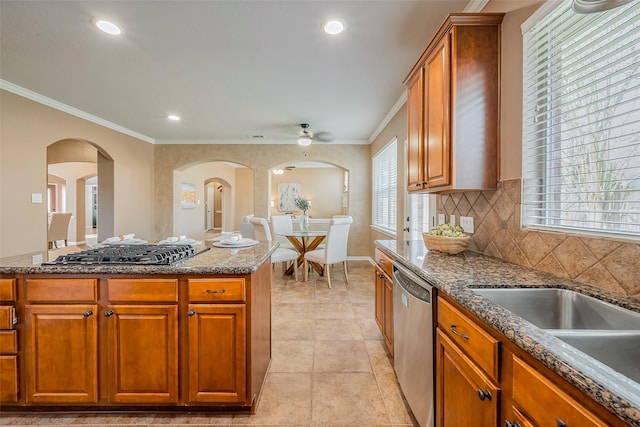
{"x":329,"y":364}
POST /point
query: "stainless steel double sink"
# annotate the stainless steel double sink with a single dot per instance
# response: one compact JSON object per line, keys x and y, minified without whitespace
{"x":606,"y":332}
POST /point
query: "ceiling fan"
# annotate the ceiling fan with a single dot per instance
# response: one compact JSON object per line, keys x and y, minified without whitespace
{"x":306,"y":136}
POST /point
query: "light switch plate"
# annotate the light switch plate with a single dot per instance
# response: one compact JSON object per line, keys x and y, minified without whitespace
{"x":440,"y":219}
{"x":452,"y":219}
{"x":36,"y":197}
{"x":466,"y":222}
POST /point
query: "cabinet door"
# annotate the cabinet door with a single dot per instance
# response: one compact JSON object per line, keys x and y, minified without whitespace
{"x":61,"y":353}
{"x":143,"y":353}
{"x":388,"y":314}
{"x":217,"y":353}
{"x":8,"y":378}
{"x":464,"y":396}
{"x":379,"y":292}
{"x":415,"y":135}
{"x":437,"y":115}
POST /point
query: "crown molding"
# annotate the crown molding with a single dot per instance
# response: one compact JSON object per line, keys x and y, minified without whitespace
{"x":475,"y":6}
{"x":41,"y":99}
{"x":392,"y":112}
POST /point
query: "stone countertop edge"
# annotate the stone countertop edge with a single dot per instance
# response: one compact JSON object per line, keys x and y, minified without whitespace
{"x":212,"y":261}
{"x":454,"y":275}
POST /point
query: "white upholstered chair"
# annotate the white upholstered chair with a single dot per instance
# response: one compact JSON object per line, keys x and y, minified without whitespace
{"x":246,"y":228}
{"x":282,"y":224}
{"x":58,"y":228}
{"x":262,"y":232}
{"x":335,"y":249}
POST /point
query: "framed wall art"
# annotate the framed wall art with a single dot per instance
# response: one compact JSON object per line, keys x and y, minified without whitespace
{"x":187,"y":195}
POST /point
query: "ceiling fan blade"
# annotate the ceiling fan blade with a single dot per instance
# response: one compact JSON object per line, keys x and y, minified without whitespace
{"x":324,"y":136}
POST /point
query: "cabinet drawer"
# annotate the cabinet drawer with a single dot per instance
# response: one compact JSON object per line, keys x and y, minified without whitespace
{"x":50,"y":290}
{"x":384,"y":261}
{"x":7,"y":314}
{"x":8,"y":342}
{"x":7,"y":289}
{"x":480,"y":346}
{"x":212,"y":290}
{"x":8,"y":378}
{"x":143,"y":290}
{"x":544,"y":403}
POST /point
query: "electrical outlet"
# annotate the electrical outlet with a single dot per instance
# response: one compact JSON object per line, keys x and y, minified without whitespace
{"x":466,"y":222}
{"x":452,"y":219}
{"x":440,"y":219}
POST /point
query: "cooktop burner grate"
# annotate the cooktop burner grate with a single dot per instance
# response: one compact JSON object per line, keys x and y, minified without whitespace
{"x":128,"y":255}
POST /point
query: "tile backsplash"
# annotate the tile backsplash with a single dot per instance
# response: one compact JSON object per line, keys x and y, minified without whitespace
{"x":606,"y":263}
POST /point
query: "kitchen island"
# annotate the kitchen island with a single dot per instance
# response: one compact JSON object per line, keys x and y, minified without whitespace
{"x":193,"y":336}
{"x":515,"y":348}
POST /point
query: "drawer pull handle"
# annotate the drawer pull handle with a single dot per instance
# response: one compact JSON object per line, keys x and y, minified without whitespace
{"x":381,"y":276}
{"x":482,"y":394}
{"x":216,"y":291}
{"x":513,"y":424}
{"x":453,"y":329}
{"x":108,"y":313}
{"x":560,"y":423}
{"x":191,"y":313}
{"x":88,"y":313}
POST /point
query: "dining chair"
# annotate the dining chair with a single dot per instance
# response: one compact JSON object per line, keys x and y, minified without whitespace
{"x":262,"y":232}
{"x":282,"y":224}
{"x":58,"y":228}
{"x":246,"y":228}
{"x":335,"y":249}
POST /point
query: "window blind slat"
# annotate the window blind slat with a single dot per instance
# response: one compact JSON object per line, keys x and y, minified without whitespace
{"x":581,"y":121}
{"x":385,"y":177}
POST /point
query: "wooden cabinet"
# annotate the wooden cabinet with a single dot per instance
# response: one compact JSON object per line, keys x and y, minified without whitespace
{"x":217,"y":368}
{"x":384,"y":298}
{"x":453,"y":98}
{"x":544,"y":403}
{"x":9,"y":388}
{"x":467,"y":374}
{"x":143,"y":340}
{"x":497,"y":383}
{"x":465,"y":396}
{"x":61,"y":363}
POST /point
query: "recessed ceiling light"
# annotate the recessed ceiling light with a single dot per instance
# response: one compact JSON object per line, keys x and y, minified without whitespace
{"x":107,"y":26}
{"x":333,"y":27}
{"x":173,"y":117}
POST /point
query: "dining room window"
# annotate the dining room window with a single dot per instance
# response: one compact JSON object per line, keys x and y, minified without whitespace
{"x":385,"y":188}
{"x":581,"y":120}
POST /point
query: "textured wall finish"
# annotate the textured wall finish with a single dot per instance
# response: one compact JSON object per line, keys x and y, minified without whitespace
{"x":261,"y":158}
{"x":608,"y":263}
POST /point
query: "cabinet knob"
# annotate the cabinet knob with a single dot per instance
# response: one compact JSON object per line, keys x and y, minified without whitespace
{"x":484,"y":394}
{"x":513,"y":424}
{"x":216,"y":291}
{"x":88,"y":313}
{"x":560,"y":423}
{"x":191,"y":313}
{"x":453,"y":329}
{"x":108,"y":313}
{"x":381,"y":276}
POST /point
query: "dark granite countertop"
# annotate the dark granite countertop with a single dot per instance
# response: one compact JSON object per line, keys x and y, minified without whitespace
{"x":455,"y":275}
{"x":212,"y":261}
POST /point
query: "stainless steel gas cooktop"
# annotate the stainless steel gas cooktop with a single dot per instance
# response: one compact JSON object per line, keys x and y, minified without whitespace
{"x":129,"y":255}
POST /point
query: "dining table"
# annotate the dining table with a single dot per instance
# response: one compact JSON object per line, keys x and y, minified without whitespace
{"x":303,"y":242}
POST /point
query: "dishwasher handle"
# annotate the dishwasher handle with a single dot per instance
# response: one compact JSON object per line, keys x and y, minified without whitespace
{"x":412,"y":283}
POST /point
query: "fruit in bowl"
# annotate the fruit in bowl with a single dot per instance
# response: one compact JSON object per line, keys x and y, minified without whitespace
{"x":446,"y":238}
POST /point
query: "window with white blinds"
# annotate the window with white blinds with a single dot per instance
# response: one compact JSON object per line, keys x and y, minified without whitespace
{"x":581,"y":120}
{"x":385,"y":188}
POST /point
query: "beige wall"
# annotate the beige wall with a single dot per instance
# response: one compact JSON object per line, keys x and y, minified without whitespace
{"x":262,"y":158}
{"x":397,"y":127}
{"x":26,"y":129}
{"x":322,"y":186}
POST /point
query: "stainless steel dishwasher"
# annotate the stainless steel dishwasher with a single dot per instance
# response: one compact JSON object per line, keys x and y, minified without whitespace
{"x":413,"y":341}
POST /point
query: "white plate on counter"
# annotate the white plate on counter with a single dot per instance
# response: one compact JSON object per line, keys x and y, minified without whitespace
{"x":242,"y":243}
{"x":190,"y":242}
{"x":126,"y":242}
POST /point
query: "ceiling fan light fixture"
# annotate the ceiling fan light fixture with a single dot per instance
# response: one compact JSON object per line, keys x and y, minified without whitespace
{"x":304,"y":141}
{"x":333,"y":27}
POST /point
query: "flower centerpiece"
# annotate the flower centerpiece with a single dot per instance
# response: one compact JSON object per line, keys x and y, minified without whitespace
{"x":304,"y":204}
{"x":446,"y":238}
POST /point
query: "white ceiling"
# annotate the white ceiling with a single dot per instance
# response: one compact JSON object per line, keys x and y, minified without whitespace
{"x":230,"y":68}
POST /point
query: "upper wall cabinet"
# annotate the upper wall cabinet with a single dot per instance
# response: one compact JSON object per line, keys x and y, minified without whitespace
{"x":453,"y":107}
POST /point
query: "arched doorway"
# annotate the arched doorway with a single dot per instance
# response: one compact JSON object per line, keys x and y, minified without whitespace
{"x":71,"y":163}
